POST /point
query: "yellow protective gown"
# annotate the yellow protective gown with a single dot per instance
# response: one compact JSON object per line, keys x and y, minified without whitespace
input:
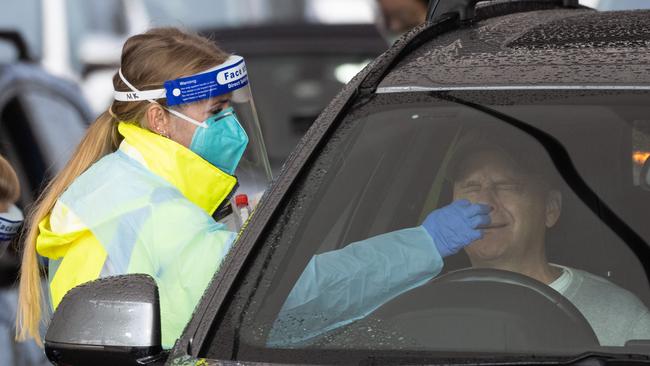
{"x":145,"y":208}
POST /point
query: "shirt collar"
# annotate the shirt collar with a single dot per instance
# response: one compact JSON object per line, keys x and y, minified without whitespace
{"x":561,"y":284}
{"x":199,"y":181}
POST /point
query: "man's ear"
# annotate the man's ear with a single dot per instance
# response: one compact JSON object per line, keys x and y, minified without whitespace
{"x":158,"y":120}
{"x":553,"y":207}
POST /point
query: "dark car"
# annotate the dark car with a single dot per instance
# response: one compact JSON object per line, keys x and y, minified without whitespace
{"x":564,"y":88}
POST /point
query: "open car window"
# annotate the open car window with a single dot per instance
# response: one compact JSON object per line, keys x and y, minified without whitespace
{"x":398,"y":157}
{"x":310,"y":81}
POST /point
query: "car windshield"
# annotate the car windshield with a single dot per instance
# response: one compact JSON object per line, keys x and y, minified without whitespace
{"x":345,"y":271}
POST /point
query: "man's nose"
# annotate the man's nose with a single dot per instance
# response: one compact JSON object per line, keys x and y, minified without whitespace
{"x":488,"y":196}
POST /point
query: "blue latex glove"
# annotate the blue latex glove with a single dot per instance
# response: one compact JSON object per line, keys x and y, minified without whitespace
{"x":456,"y":225}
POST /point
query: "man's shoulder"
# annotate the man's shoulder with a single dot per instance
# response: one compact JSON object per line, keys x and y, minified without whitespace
{"x":615,"y":314}
{"x":590,"y":286}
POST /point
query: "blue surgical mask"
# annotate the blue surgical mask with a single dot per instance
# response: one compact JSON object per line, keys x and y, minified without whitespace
{"x":223,"y":142}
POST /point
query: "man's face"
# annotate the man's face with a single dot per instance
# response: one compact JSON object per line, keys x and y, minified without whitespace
{"x":402,"y":15}
{"x":521,"y":209}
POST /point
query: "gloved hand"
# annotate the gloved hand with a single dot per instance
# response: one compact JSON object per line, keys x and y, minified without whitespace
{"x":456,"y":225}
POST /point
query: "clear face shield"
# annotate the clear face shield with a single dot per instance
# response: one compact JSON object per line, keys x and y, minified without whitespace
{"x":10,"y":222}
{"x":228,"y":134}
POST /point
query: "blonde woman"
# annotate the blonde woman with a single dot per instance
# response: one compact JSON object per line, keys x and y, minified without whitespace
{"x":139,"y":193}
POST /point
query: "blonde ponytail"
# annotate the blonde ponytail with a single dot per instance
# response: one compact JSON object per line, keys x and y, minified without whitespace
{"x":100,"y":139}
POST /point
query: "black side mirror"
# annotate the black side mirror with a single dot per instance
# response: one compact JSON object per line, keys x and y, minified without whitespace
{"x":110,"y":321}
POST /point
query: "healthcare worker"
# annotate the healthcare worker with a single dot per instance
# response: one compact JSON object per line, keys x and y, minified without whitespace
{"x":141,"y":193}
{"x":11,"y":218}
{"x":141,"y":190}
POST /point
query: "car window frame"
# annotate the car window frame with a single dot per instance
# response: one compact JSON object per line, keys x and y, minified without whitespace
{"x":22,"y":78}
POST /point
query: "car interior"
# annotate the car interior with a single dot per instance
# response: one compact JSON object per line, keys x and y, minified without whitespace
{"x":381,"y":178}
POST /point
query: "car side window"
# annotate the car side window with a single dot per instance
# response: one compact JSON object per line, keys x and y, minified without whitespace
{"x":361,"y":205}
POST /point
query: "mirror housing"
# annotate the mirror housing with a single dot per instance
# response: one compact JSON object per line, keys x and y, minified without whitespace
{"x":109,"y":321}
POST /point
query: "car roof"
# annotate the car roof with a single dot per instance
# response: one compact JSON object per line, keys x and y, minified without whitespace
{"x":578,"y":48}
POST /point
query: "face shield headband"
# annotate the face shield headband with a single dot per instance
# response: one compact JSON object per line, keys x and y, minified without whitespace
{"x":10,"y":222}
{"x":222,"y":79}
{"x":221,"y":140}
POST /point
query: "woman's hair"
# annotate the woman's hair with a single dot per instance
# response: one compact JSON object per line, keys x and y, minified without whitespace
{"x":147,"y":60}
{"x":9,"y":186}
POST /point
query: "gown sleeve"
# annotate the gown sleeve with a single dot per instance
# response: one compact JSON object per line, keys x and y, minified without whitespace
{"x":341,"y":286}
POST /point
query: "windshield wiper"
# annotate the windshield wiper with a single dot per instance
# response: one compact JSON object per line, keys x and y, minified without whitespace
{"x":563,"y":163}
{"x":584,"y":359}
{"x":603,"y":358}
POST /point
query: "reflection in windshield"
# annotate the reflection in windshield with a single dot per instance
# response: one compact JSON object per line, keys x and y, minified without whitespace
{"x":432,"y":226}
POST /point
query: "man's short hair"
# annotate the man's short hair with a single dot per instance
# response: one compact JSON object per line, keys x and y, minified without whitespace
{"x":528,"y":156}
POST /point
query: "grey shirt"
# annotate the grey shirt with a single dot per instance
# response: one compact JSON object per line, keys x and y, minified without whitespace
{"x":615,"y":314}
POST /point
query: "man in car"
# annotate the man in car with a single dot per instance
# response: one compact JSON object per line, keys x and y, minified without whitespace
{"x":520,"y":189}
{"x":504,"y":201}
{"x":519,"y":184}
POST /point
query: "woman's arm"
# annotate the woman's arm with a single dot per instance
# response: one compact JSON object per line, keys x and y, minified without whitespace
{"x":341,"y":286}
